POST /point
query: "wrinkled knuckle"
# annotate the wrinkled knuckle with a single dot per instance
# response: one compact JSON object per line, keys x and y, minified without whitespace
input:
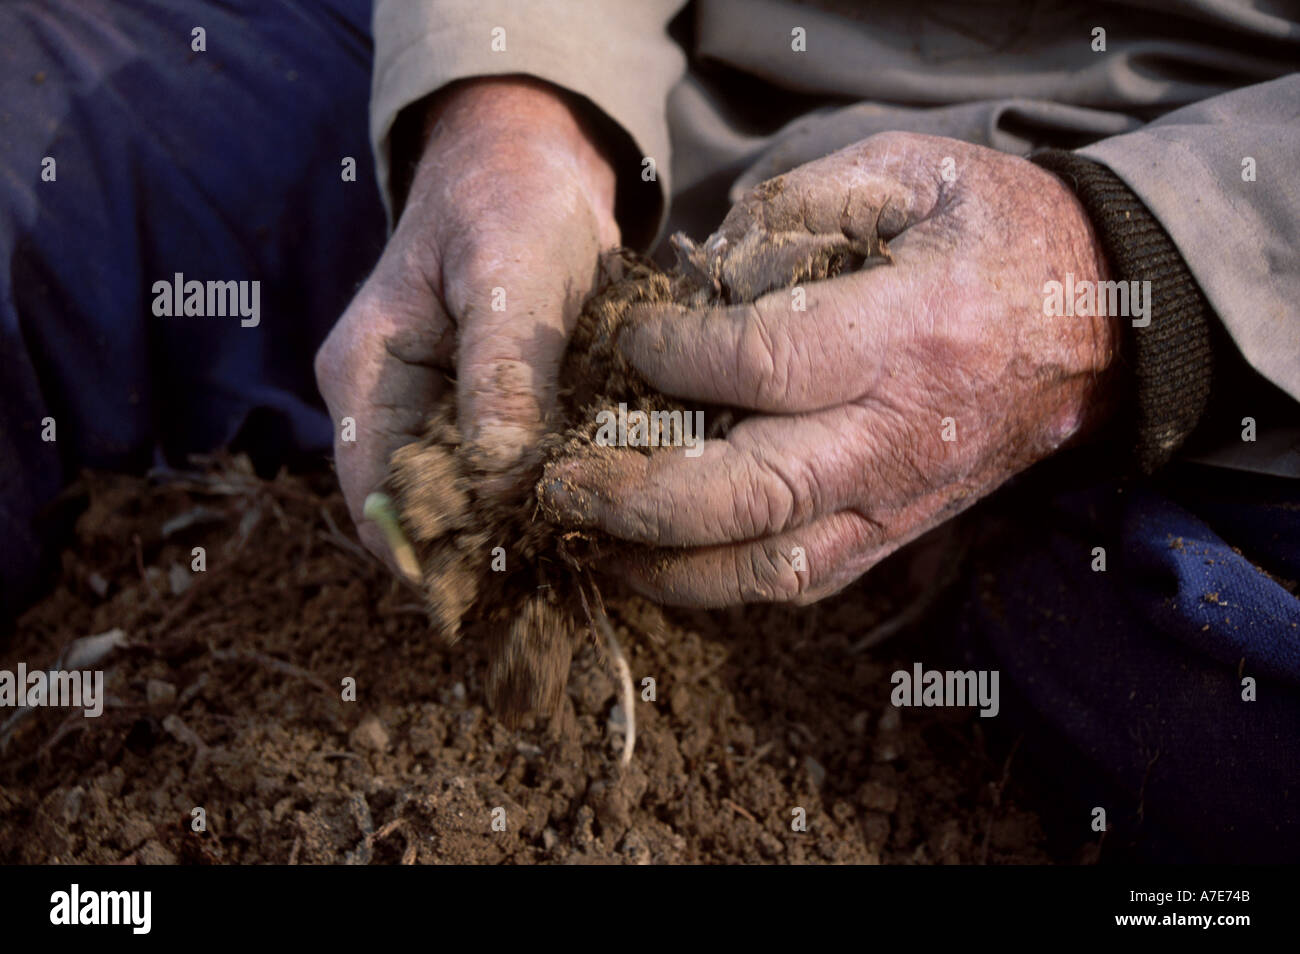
{"x":410,"y":251}
{"x":780,"y":494}
{"x":747,"y":510}
{"x":649,"y":517}
{"x":664,"y":516}
{"x":754,"y":504}
{"x":767,"y":576}
{"x":762,"y":378}
{"x":473,"y":262}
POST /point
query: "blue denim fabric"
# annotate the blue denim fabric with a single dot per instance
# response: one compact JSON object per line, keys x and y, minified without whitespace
{"x":1128,"y":683}
{"x":222,"y":165}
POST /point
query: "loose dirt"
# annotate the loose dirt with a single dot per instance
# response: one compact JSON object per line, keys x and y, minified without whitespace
{"x":229,"y":696}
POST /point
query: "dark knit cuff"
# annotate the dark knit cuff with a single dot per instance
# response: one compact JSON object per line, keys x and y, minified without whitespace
{"x":1170,"y":361}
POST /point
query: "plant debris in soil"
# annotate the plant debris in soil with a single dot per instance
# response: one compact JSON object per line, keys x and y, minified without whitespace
{"x":499,"y":559}
{"x":227,"y":692}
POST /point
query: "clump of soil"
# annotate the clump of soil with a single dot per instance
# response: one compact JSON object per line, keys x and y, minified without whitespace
{"x":533,"y":613}
{"x":230,"y":694}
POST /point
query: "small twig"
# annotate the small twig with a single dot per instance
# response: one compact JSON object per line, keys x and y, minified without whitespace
{"x":1142,"y":792}
{"x":182,"y":733}
{"x":280,"y":516}
{"x":600,"y":624}
{"x":757,"y":754}
{"x":387,"y":829}
{"x":139,"y":564}
{"x":72,"y":723}
{"x":919,"y":607}
{"x":409,"y":852}
{"x":625,"y":679}
{"x":84,"y":652}
{"x":342,"y":542}
{"x":192,"y":690}
{"x":342,"y":755}
{"x":180,"y":607}
{"x":248,"y":522}
{"x":365,"y":850}
{"x":710,"y":669}
{"x":270,"y":662}
{"x":997,"y":801}
{"x":739,"y":810}
{"x":600,"y":628}
{"x":901,"y":620}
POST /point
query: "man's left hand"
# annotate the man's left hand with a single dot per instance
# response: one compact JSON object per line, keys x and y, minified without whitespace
{"x":901,"y":395}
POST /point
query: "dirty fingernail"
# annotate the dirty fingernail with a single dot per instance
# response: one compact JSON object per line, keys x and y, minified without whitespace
{"x":498,"y":445}
{"x":564,"y":501}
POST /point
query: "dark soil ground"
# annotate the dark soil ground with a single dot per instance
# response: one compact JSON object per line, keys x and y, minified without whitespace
{"x":228,"y":696}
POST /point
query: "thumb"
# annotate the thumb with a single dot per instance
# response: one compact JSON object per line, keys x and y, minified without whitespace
{"x":380,"y":372}
{"x":873,"y":189}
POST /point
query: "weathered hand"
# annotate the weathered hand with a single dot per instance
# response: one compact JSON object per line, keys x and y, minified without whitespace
{"x":509,"y":208}
{"x":900,"y":396}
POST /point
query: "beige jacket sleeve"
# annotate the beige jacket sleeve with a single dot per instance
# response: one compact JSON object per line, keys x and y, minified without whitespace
{"x":617,"y":55}
{"x":1222,"y":175}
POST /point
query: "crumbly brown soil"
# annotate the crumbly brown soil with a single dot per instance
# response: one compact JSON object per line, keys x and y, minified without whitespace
{"x":229,"y":697}
{"x":534,"y":612}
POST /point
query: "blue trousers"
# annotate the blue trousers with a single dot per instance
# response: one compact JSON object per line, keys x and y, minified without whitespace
{"x":1165,"y":688}
{"x":227,"y":165}
{"x":222,"y":165}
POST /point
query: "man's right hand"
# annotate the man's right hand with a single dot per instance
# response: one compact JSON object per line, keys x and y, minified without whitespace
{"x":496,"y":249}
